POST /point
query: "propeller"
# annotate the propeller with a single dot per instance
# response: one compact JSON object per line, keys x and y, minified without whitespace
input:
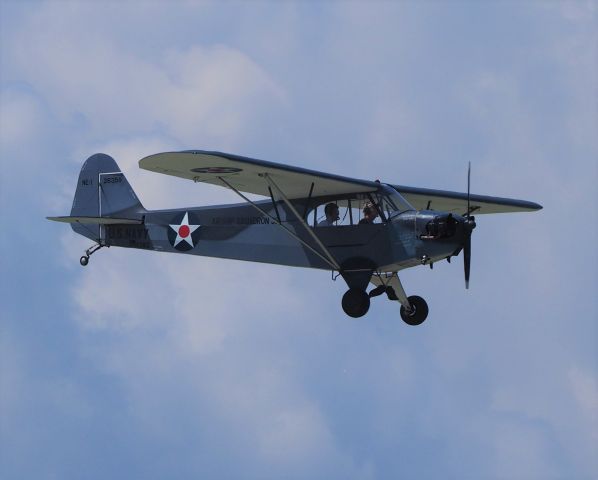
{"x":469,"y":226}
{"x":467,"y":257}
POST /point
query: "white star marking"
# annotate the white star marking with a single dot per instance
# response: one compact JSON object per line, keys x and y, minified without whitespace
{"x":184,"y":231}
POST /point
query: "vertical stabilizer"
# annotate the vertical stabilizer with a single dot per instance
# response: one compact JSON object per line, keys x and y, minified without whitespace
{"x":103,"y":191}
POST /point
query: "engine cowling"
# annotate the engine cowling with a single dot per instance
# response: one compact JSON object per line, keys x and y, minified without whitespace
{"x":440,"y":226}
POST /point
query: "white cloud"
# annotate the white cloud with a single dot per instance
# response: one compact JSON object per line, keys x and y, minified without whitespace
{"x":109,"y":298}
{"x":521,"y":452}
{"x":585,"y":389}
{"x":200,"y":96}
{"x":295,"y":437}
{"x":540,"y":402}
{"x":11,"y":376}
{"x":580,"y":11}
{"x":20,"y":118}
{"x":197,"y":319}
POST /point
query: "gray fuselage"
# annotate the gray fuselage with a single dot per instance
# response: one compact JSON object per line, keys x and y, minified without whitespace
{"x":241,"y":232}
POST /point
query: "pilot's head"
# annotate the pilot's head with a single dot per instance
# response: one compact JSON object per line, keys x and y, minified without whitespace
{"x":331,"y":211}
{"x":369,"y":212}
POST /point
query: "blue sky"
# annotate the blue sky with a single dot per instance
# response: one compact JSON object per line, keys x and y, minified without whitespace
{"x":154,"y":366}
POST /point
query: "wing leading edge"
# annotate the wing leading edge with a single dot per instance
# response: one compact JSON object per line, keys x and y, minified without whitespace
{"x":455,"y":202}
{"x":247,"y":174}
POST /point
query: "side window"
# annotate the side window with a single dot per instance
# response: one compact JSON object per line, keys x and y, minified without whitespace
{"x":349,"y":211}
{"x":327,"y":214}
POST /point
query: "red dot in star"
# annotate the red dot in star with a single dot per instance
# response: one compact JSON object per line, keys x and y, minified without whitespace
{"x":184,"y":231}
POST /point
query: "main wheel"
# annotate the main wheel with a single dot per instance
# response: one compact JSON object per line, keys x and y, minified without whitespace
{"x":418,"y":313}
{"x":356,"y":302}
{"x":84,"y":260}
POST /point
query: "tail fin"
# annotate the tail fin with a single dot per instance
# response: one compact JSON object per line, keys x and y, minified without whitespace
{"x":103,"y":191}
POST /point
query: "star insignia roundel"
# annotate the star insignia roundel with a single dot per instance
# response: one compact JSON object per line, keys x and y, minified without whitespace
{"x":183,"y":233}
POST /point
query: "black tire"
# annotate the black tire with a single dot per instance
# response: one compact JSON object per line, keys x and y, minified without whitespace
{"x":356,"y":302}
{"x":418,"y":313}
{"x":84,"y":260}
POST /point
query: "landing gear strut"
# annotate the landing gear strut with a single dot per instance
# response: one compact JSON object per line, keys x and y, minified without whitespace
{"x":356,"y":302}
{"x":84,"y":260}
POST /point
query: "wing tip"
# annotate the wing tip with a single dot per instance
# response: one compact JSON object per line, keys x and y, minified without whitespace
{"x":531,"y":206}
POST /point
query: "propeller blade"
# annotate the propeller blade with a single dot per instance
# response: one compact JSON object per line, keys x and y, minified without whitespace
{"x":468,"y":185}
{"x":467,"y":258}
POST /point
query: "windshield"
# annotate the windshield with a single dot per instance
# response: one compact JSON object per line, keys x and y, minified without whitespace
{"x":391,"y":202}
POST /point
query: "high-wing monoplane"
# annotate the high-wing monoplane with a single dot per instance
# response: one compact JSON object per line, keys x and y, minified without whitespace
{"x":365,"y":231}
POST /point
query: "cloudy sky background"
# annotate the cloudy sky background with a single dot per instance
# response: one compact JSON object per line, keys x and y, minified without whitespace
{"x":166,"y":366}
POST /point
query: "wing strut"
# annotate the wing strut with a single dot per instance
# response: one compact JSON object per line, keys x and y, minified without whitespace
{"x":331,"y":259}
{"x":333,"y":263}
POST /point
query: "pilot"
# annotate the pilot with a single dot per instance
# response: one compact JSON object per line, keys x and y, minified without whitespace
{"x":331,"y":211}
{"x":369,"y":214}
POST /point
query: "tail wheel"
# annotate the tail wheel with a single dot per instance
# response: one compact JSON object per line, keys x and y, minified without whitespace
{"x":84,"y":260}
{"x":418,"y":313}
{"x":356,"y":302}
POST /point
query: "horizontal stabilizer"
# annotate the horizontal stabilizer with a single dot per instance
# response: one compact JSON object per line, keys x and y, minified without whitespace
{"x":96,"y":220}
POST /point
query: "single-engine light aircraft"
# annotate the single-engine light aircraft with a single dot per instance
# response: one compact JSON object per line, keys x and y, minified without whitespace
{"x":365,"y":231}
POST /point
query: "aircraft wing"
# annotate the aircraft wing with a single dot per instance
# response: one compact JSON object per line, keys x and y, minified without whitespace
{"x":244,"y":174}
{"x":429,"y":199}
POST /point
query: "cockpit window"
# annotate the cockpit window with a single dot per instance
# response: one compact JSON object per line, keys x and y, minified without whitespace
{"x":388,"y":202}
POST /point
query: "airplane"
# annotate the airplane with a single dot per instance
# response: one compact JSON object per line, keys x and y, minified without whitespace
{"x":307,"y":219}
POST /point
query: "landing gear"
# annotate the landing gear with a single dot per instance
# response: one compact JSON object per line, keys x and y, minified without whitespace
{"x":84,"y":260}
{"x":414,"y":309}
{"x":356,"y":302}
{"x":417,"y":313}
